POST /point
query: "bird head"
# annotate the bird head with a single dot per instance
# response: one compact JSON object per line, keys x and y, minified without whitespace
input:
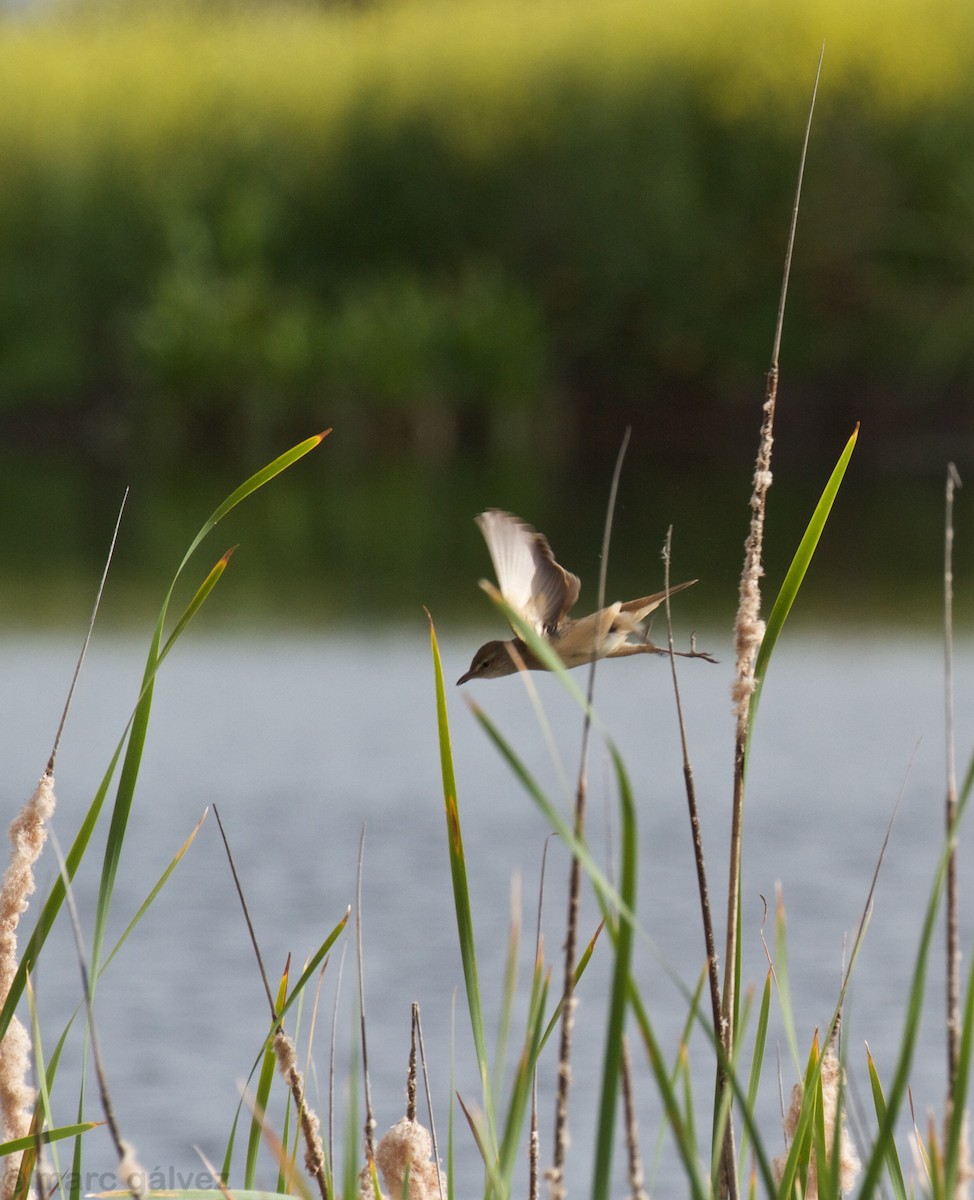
{"x":491,"y":661}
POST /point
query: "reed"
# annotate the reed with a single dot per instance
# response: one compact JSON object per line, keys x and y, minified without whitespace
{"x":820,"y":1158}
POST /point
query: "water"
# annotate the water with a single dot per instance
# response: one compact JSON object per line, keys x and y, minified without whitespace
{"x":303,"y":740}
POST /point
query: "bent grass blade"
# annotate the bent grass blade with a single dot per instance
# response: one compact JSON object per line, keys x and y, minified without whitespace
{"x":137,"y":724}
{"x":461,"y":898}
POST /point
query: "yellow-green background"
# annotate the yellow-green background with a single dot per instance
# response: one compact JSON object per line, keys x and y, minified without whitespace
{"x":479,"y":240}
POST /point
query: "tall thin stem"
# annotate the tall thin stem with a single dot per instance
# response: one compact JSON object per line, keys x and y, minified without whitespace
{"x":556,"y":1174}
{"x":953,"y":944}
{"x":748,"y":632}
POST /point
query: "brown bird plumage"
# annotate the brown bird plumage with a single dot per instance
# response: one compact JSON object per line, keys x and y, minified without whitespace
{"x":542,"y":593}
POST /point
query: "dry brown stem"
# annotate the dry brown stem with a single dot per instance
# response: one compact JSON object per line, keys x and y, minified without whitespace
{"x":556,"y":1173}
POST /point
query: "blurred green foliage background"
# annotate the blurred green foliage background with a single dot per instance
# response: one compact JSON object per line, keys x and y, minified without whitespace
{"x":479,"y":239}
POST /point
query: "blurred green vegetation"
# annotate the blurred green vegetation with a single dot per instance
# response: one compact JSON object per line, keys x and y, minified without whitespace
{"x":479,"y":239}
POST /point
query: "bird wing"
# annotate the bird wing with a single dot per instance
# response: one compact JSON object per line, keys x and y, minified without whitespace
{"x":641,"y":608}
{"x":531,"y":582}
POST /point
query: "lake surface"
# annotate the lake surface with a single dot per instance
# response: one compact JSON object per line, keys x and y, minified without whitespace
{"x":304,"y":739}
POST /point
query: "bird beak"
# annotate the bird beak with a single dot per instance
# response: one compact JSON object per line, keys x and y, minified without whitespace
{"x":464,"y":678}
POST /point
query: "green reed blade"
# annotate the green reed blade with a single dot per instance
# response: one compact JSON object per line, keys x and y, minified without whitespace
{"x":296,"y":991}
{"x":796,"y":572}
{"x":782,"y":976}
{"x":958,"y":1099}
{"x":508,"y":990}
{"x":619,"y":991}
{"x":757,"y":1057}
{"x":893,"y":1168}
{"x":667,"y":1091}
{"x":262,"y":1095}
{"x":914,"y":1008}
{"x":461,"y":893}
{"x":554,"y":817}
{"x":800,"y":1151}
{"x":47,"y":1136}
{"x":73,"y":858}
{"x":139,"y":725}
{"x":583,"y":961}
{"x":523,"y":1081}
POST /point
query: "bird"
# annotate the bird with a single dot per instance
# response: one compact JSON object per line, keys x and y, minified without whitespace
{"x":542,"y":593}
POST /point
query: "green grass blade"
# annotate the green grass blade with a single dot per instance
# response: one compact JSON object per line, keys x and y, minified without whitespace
{"x":671,"y":1105}
{"x":52,"y":1064}
{"x":352,"y":1152}
{"x":782,"y":977}
{"x":757,"y":1058}
{"x":157,"y":888}
{"x":302,"y":982}
{"x":196,"y":603}
{"x":800,"y":1151}
{"x":508,"y":990}
{"x":619,"y":992}
{"x":796,"y":572}
{"x":521,"y":1086}
{"x":42,"y":1118}
{"x":761,"y":1160}
{"x":262,"y":1095}
{"x":681,"y":1060}
{"x":55,"y":898}
{"x":685,"y":1076}
{"x":914,"y":1008}
{"x":312,"y":966}
{"x":959,"y":1112}
{"x":248,"y":487}
{"x":451,"y":1116}
{"x":139,"y":725}
{"x":494,"y":1184}
{"x":821,"y":1145}
{"x":131,"y":763}
{"x":461,"y":893}
{"x":577,"y":974}
{"x":891,"y":1158}
{"x":47,"y":1136}
{"x":289,"y":1155}
{"x":553,"y":815}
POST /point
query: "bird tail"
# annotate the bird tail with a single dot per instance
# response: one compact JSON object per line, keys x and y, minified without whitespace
{"x":638,"y":609}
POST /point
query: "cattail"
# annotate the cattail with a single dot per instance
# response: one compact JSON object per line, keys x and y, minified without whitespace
{"x":314,"y":1153}
{"x":748,"y":626}
{"x":849,"y":1165}
{"x":368,"y":1184}
{"x":131,"y":1172}
{"x":965,"y":1170}
{"x":407,"y":1146}
{"x":28,"y":832}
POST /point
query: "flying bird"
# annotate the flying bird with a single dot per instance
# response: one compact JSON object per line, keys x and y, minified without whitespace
{"x":542,"y":593}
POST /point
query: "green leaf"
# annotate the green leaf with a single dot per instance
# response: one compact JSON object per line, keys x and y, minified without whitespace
{"x":47,"y":1136}
{"x":699,"y":1190}
{"x":579,"y":971}
{"x":959,"y":1114}
{"x":554,"y":817}
{"x":893,"y":1168}
{"x":137,"y":723}
{"x":757,"y":1056}
{"x":619,"y":992}
{"x":262,"y":1095}
{"x":461,"y":894}
{"x":796,"y":572}
{"x":521,"y":1085}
